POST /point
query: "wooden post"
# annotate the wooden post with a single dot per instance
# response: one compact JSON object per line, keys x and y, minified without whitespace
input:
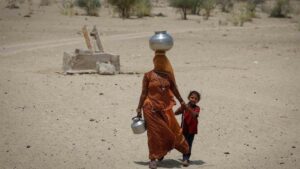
{"x":87,"y":38}
{"x":95,"y":34}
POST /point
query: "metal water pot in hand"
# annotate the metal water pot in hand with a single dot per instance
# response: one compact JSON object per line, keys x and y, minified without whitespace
{"x":138,"y":125}
{"x":161,"y":41}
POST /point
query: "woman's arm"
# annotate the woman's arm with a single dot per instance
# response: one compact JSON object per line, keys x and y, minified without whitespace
{"x":174,"y":89}
{"x":143,"y":96}
{"x":179,"y":111}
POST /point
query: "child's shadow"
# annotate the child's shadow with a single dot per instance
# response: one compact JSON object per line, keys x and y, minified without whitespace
{"x":170,"y":163}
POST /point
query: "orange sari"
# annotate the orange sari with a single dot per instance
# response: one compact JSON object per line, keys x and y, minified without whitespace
{"x":163,"y":130}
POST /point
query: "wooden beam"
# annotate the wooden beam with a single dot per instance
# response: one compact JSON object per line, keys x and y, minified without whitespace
{"x":87,"y":38}
{"x":95,"y":34}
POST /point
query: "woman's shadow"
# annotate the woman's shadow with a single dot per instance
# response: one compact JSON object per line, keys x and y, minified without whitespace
{"x":170,"y":163}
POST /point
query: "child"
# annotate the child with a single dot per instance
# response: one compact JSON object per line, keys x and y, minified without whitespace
{"x":189,"y":121}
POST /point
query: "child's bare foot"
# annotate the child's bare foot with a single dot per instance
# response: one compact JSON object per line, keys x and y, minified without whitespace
{"x":185,"y":163}
{"x":153,"y":164}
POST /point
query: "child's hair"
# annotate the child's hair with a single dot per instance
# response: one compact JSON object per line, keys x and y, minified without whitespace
{"x":196,"y":93}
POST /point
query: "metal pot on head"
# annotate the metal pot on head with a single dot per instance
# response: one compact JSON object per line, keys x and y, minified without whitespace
{"x":138,"y":125}
{"x":161,"y":41}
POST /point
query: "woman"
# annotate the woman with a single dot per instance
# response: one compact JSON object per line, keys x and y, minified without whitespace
{"x":163,"y":130}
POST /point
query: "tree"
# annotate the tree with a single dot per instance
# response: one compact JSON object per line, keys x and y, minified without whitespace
{"x":123,"y":6}
{"x":208,"y":6}
{"x":184,"y":5}
{"x":196,"y":7}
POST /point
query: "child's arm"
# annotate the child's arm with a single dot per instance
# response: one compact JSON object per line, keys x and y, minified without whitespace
{"x":195,"y":113}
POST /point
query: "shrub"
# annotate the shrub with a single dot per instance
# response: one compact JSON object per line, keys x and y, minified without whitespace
{"x":67,"y":7}
{"x":44,"y":2}
{"x":142,"y":8}
{"x":256,"y":2}
{"x":281,"y":9}
{"x":226,"y":5}
{"x":241,"y":16}
{"x":12,"y":4}
{"x":251,"y":6}
{"x":124,"y":7}
{"x":250,"y":9}
{"x":208,"y":6}
{"x":90,"y":6}
{"x":298,"y":22}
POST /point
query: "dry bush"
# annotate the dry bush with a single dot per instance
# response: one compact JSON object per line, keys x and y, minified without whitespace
{"x":295,"y":7}
{"x":266,"y":7}
{"x":45,"y":2}
{"x":250,"y":9}
{"x":226,"y":5}
{"x":12,"y":4}
{"x":281,"y":9}
{"x":90,"y":6}
{"x":208,"y":6}
{"x":241,"y":15}
{"x":297,"y":20}
{"x":67,"y":7}
{"x":142,"y":8}
{"x":123,"y":7}
{"x":30,"y":10}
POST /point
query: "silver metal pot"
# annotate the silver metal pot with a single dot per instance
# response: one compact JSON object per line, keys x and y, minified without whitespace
{"x":138,"y":125}
{"x":161,"y":41}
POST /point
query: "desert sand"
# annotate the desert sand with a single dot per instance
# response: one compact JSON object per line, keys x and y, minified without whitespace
{"x":248,"y":77}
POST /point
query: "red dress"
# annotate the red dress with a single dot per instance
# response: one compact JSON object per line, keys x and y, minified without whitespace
{"x":189,"y":123}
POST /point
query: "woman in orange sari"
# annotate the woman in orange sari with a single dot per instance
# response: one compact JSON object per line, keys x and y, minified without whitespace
{"x":157,"y":101}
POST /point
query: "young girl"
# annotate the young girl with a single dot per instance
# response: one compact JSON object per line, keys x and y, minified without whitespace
{"x":189,"y":122}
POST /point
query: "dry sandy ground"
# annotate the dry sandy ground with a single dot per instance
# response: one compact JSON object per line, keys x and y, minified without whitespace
{"x":248,"y":77}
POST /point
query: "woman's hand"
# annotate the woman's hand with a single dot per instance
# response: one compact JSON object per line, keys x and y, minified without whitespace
{"x":139,"y":112}
{"x":183,"y":105}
